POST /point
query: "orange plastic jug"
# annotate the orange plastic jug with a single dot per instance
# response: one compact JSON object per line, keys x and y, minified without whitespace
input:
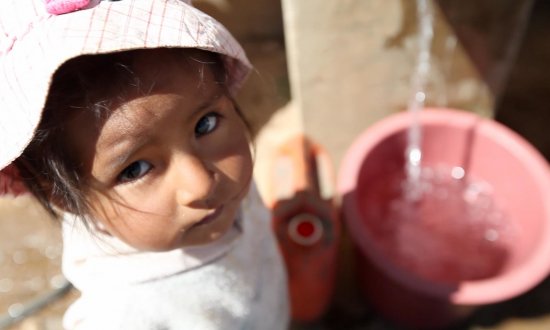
{"x":306,"y":224}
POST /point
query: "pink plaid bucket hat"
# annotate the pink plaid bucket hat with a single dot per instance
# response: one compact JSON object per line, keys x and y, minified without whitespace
{"x":37,"y":37}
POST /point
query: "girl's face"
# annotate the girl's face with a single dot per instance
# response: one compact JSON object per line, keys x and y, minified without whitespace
{"x":171,"y":164}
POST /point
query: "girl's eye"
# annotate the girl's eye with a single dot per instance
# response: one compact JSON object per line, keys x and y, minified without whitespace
{"x":206,"y":124}
{"x":134,"y":171}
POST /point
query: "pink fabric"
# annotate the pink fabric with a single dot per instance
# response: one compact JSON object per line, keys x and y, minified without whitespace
{"x":58,"y":7}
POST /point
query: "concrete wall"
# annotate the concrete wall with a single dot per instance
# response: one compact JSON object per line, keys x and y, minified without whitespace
{"x":351,"y":63}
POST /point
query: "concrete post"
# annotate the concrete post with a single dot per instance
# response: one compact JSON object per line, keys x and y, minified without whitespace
{"x":350,"y":64}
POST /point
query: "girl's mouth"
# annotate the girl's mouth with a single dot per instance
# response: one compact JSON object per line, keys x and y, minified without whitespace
{"x":210,"y":218}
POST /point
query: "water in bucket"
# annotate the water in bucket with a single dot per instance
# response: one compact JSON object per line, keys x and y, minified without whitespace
{"x":453,"y":231}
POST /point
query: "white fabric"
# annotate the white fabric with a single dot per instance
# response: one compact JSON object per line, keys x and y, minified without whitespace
{"x":238,"y":282}
{"x":91,"y":253}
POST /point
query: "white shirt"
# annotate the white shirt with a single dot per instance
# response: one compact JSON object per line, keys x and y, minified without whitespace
{"x":236,"y":282}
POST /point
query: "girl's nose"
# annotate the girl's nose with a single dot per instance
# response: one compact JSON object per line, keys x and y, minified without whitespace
{"x":194,"y":180}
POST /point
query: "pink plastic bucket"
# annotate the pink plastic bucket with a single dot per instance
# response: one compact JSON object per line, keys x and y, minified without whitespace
{"x":520,"y":178}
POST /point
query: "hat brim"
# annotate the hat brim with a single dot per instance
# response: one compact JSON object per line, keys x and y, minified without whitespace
{"x":41,"y":43}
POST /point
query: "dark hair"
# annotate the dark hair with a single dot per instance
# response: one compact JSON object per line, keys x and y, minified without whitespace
{"x":87,"y":83}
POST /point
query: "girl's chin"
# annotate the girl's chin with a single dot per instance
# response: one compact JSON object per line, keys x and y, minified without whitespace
{"x":205,"y":235}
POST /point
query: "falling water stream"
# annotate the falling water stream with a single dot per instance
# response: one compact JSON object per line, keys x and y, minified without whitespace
{"x":413,"y":153}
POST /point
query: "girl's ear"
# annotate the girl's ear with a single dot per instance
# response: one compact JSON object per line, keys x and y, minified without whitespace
{"x":11,"y":183}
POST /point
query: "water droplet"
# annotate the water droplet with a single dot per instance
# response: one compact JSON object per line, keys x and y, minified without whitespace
{"x":52,"y":252}
{"x":457,"y":172}
{"x":415,"y":156}
{"x":450,"y":42}
{"x":420,"y":96}
{"x":20,"y":257}
{"x":15,"y":310}
{"x":57,"y":281}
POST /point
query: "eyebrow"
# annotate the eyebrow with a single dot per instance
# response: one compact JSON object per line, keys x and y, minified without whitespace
{"x":116,"y":160}
{"x":206,"y":104}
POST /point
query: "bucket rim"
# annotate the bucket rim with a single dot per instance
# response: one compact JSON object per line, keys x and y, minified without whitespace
{"x":504,"y":286}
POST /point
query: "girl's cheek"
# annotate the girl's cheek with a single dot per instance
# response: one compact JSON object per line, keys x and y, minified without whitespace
{"x":144,"y":194}
{"x":122,"y":205}
{"x":154,"y":201}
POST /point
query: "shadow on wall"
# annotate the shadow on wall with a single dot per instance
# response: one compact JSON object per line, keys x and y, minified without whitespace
{"x":525,"y":99}
{"x":506,"y":41}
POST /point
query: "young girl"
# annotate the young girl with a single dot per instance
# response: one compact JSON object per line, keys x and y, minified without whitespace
{"x":120,"y":118}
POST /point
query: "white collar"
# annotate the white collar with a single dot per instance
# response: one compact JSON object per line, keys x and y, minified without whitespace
{"x":91,"y":257}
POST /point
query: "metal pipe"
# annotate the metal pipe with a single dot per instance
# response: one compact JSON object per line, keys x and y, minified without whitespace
{"x":35,"y":305}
